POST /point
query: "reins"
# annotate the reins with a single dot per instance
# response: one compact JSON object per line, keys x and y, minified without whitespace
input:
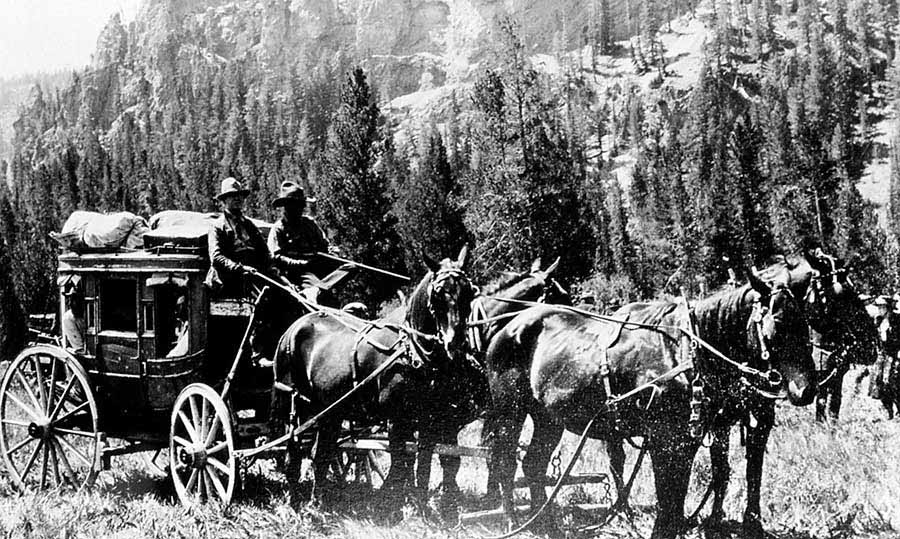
{"x":769,"y":376}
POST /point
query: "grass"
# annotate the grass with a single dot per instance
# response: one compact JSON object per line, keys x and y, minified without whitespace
{"x":821,"y":481}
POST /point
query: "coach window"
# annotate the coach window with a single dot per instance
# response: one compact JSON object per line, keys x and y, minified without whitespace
{"x":118,"y":305}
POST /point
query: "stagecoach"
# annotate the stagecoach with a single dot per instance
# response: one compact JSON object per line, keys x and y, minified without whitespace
{"x":160,"y":370}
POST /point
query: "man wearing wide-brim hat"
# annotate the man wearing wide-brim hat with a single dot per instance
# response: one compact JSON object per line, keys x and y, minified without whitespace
{"x":236,"y":246}
{"x":296,"y":238}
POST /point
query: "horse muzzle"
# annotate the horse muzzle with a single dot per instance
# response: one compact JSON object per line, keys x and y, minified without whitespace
{"x":801,"y":389}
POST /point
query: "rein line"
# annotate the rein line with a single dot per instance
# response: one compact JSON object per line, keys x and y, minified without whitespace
{"x":626,"y":324}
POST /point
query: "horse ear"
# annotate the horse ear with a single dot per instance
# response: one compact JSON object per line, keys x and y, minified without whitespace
{"x":463,"y":255}
{"x":430,"y":263}
{"x":756,"y":283}
{"x":536,"y":265}
{"x":550,"y":269}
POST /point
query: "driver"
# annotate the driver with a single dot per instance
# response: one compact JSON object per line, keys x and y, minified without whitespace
{"x":294,"y":241}
{"x":236,"y":246}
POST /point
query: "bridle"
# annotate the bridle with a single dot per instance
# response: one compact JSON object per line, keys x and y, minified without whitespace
{"x":436,"y":286}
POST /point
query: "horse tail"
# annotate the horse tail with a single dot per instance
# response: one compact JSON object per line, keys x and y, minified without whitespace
{"x":290,"y":382}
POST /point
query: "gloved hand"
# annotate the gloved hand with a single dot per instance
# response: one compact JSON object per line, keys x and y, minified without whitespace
{"x":249,"y":270}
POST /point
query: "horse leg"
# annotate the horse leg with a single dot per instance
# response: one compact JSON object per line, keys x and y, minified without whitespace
{"x":293,"y":474}
{"x":400,"y":474}
{"x":450,"y":465}
{"x":323,"y":455}
{"x":721,"y":473}
{"x":821,"y":402}
{"x":501,"y":435}
{"x":757,"y":437}
{"x":544,"y":440}
{"x":616,"y":452}
{"x":424,"y":457}
{"x":672,"y":473}
{"x":835,"y":389}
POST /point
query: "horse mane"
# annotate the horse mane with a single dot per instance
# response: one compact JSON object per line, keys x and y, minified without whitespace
{"x":722,"y":321}
{"x":417,"y":312}
{"x":504,"y":282}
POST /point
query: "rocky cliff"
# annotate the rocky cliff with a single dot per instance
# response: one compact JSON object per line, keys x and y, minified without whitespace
{"x":406,"y":43}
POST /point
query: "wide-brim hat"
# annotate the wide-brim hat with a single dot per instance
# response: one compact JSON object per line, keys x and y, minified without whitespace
{"x":291,"y":193}
{"x":231,"y":187}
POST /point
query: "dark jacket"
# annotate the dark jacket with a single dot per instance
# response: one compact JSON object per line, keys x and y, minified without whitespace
{"x":294,"y":245}
{"x":234,"y":242}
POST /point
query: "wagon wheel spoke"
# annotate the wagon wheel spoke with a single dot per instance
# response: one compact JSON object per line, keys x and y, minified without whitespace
{"x":188,"y":426}
{"x":42,"y":391}
{"x":73,"y":432}
{"x":216,"y":463}
{"x":44,"y":458}
{"x":73,"y":411}
{"x":32,"y":459}
{"x":62,"y":398}
{"x":22,"y":406}
{"x":19,"y":445}
{"x":62,"y":440}
{"x":14,"y":422}
{"x":54,"y":459}
{"x":192,"y":481}
{"x":216,"y":448}
{"x":204,"y":417}
{"x":213,"y":431}
{"x":181,"y":441}
{"x":24,"y":383}
{"x":51,"y":383}
{"x":68,"y":473}
{"x":217,"y":485}
{"x":195,"y":419}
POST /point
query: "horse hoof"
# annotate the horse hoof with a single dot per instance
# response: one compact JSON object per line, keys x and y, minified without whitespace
{"x":753,"y":528}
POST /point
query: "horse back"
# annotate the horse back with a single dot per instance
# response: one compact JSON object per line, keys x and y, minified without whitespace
{"x":327,"y":358}
{"x":556,"y":357}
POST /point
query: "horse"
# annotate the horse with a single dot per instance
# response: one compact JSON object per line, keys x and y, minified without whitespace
{"x":490,"y":311}
{"x":841,"y":330}
{"x":563,"y":369}
{"x":325,"y":355}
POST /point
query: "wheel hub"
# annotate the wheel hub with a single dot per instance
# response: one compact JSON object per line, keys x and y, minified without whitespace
{"x":194,"y":457}
{"x":38,"y":429}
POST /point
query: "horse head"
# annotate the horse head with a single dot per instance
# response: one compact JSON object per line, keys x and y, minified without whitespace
{"x":835,"y":312}
{"x":442,"y":302}
{"x":778,"y":331}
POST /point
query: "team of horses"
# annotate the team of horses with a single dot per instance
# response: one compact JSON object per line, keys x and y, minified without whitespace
{"x":670,"y":372}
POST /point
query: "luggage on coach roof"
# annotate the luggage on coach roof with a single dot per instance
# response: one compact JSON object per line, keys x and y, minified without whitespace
{"x":178,"y":228}
{"x":92,"y":230}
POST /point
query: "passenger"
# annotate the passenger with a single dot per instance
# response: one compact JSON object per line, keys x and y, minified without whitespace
{"x":181,"y":345}
{"x":236,"y":246}
{"x":294,"y":241}
{"x":73,"y":324}
{"x":890,"y":345}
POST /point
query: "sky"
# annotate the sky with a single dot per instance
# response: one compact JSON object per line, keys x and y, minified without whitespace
{"x":47,"y":35}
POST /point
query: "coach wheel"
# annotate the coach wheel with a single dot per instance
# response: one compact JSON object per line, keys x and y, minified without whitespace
{"x":201,"y":447}
{"x":48,"y":421}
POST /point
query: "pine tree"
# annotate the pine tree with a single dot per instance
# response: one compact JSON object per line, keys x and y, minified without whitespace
{"x":354,"y":197}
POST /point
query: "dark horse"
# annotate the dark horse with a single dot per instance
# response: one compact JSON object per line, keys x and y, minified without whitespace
{"x":486,"y":319}
{"x":841,"y":330}
{"x":324,"y":355}
{"x":549,"y":363}
{"x":837,"y":319}
{"x":839,"y":326}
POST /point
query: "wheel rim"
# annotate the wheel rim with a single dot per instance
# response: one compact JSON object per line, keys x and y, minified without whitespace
{"x":201,"y":447}
{"x":48,"y":422}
